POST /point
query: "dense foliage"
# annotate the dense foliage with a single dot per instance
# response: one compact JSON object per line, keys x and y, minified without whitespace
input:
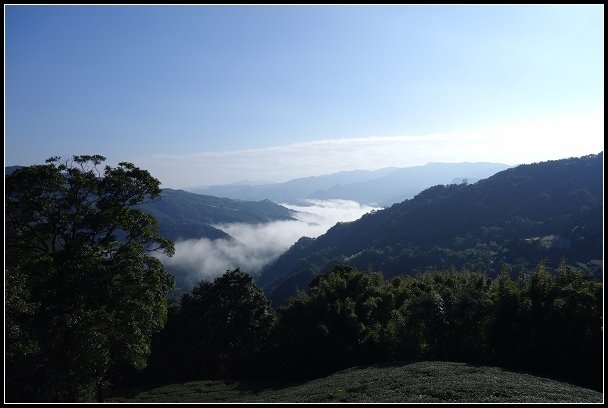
{"x":520,"y":216}
{"x":219,"y":329}
{"x":538,"y":322}
{"x":85,"y":301}
{"x":83,"y":294}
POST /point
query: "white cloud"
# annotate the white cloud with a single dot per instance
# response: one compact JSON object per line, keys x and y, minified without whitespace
{"x":255,"y":245}
{"x":524,"y":142}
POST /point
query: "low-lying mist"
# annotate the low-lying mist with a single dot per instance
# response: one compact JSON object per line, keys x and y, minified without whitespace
{"x":253,"y":246}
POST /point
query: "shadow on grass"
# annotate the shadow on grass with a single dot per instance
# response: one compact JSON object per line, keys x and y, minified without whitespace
{"x":133,"y":391}
{"x":243,"y":387}
{"x":273,"y":389}
{"x":257,"y":387}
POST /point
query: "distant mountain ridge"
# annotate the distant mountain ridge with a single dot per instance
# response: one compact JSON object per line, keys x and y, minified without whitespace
{"x":8,"y":170}
{"x":291,"y":190}
{"x":405,"y":183}
{"x":182,"y":215}
{"x":518,"y":216}
{"x":380,"y":187}
{"x":185,"y":215}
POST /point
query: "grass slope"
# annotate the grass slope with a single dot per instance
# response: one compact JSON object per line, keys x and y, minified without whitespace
{"x":417,"y":382}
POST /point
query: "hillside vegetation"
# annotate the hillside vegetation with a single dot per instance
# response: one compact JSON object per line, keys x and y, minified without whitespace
{"x":520,"y":216}
{"x":88,"y":307}
{"x":184,"y":215}
{"x":417,"y":382}
{"x":538,"y":322}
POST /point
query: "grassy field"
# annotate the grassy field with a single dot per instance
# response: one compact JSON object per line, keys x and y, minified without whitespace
{"x":417,"y":382}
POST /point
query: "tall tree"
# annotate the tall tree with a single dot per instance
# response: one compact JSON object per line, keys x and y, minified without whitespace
{"x":222,"y":328}
{"x":339,"y":322}
{"x":83,"y":292}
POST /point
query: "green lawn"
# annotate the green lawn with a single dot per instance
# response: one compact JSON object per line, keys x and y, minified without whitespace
{"x":417,"y":382}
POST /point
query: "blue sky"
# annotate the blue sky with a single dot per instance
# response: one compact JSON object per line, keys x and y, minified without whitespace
{"x":214,"y":94}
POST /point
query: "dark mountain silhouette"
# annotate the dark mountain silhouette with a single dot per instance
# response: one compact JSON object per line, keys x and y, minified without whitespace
{"x":184,"y":215}
{"x":8,"y":170}
{"x":541,"y":211}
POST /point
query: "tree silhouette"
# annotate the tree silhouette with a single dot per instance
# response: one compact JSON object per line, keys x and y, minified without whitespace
{"x":83,"y":293}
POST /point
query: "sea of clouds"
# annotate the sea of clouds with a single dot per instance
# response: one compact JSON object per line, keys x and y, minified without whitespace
{"x":254,"y":246}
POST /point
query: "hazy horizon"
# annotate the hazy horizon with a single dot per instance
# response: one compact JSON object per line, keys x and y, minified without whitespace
{"x":208,"y":95}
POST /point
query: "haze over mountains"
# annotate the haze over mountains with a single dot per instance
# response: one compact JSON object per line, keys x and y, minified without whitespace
{"x":248,"y":230}
{"x":542,"y":212}
{"x":516,"y":216}
{"x":380,"y":187}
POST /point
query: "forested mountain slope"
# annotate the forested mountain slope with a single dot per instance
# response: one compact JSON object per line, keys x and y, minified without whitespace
{"x":541,"y":211}
{"x":184,"y":215}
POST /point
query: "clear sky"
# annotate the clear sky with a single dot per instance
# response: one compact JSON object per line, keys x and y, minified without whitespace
{"x":201,"y":95}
